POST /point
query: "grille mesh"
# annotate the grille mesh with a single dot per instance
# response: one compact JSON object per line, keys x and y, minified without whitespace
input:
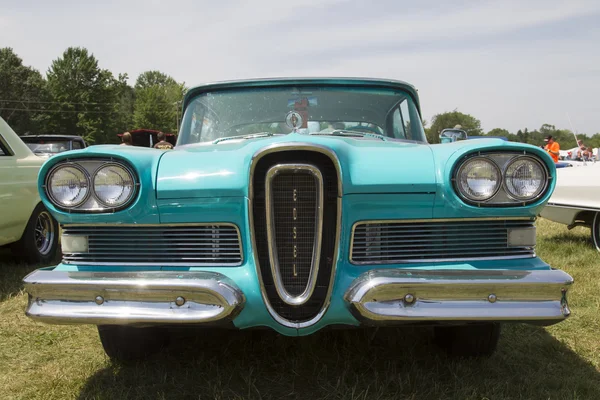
{"x":398,"y":242}
{"x":161,"y":244}
{"x":294,"y":231}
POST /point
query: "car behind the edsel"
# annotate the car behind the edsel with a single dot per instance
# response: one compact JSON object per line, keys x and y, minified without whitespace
{"x":296,"y":205}
{"x":26,"y":226}
{"x":576,"y":200}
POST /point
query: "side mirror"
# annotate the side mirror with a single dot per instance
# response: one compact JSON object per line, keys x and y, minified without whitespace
{"x":452,"y":135}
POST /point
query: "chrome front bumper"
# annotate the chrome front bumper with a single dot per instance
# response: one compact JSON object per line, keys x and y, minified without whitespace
{"x":132,"y":298}
{"x":382,"y":297}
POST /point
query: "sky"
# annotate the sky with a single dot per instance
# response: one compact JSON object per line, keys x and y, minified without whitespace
{"x":511,"y":64}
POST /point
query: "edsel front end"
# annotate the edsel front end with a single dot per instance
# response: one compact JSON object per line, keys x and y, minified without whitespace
{"x":295,"y":205}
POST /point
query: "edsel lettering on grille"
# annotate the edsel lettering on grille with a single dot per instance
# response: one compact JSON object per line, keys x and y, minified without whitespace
{"x":296,"y":205}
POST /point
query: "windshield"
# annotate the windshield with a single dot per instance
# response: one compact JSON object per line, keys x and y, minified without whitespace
{"x":311,"y":110}
{"x":44,"y":146}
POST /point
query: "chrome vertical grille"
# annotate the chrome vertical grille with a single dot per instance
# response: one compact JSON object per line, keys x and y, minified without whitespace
{"x":294,"y":207}
{"x":294,"y":215}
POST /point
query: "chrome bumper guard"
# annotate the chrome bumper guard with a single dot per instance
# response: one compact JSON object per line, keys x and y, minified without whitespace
{"x":383,"y":297}
{"x":131,"y":298}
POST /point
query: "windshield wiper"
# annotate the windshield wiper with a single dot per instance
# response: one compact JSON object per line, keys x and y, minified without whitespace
{"x":350,"y":133}
{"x":251,"y":136}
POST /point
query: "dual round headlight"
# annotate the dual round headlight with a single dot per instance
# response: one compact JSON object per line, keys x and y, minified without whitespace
{"x":70,"y":185}
{"x":480,"y":178}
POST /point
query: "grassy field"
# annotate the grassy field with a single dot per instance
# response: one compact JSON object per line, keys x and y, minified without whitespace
{"x":560,"y":362}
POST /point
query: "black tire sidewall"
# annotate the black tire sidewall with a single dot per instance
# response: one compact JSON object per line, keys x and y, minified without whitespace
{"x":596,"y":231}
{"x":476,"y":340}
{"x":127,"y":344}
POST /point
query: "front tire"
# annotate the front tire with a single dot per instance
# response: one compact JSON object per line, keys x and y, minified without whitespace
{"x":475,"y":340}
{"x":125,"y":343}
{"x":596,"y":231}
{"x":39,"y":242}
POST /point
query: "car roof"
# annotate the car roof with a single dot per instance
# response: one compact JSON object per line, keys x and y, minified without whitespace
{"x":67,"y":137}
{"x":270,"y":82}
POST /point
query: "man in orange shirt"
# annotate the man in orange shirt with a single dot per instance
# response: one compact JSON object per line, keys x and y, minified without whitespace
{"x":552,"y":147}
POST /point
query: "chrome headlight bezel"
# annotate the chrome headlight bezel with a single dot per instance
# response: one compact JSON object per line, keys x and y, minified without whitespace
{"x":92,"y":203}
{"x":540,"y":191}
{"x":48,"y":184}
{"x":463,"y":166}
{"x":99,"y":198}
{"x":503,"y":196}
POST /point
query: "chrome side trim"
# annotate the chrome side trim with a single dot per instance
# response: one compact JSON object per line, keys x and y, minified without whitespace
{"x":409,"y":221}
{"x":558,"y":205}
{"x":271,"y":236}
{"x":131,"y":298}
{"x":255,"y":158}
{"x":403,"y":296}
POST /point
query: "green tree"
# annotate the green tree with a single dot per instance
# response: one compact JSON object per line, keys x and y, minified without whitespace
{"x":124,"y":107}
{"x":84,"y":97}
{"x":447,"y":120}
{"x":157,"y":101}
{"x":503,"y":133}
{"x":22,"y":90}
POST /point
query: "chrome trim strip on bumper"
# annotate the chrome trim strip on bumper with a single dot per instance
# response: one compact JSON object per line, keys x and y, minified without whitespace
{"x":131,"y":298}
{"x":404,"y":296}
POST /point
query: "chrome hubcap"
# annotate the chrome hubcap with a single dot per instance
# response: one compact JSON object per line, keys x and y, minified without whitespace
{"x":44,"y":233}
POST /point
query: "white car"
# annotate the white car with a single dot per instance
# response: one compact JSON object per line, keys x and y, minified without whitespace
{"x":576,"y":199}
{"x":25,"y":224}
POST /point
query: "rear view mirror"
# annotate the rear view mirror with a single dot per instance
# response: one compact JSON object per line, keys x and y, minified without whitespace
{"x":452,"y":135}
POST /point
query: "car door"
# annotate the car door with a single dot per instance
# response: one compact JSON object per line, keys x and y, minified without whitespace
{"x":18,"y":187}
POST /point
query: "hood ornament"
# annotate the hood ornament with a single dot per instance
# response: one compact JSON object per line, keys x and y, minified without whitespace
{"x":293,"y":120}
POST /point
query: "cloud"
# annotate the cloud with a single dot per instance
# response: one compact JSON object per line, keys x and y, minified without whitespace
{"x":511,"y":63}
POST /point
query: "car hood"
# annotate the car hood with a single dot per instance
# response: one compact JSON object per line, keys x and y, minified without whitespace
{"x":367,"y":166}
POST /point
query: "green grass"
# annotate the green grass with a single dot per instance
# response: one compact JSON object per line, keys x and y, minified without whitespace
{"x":558,"y":362}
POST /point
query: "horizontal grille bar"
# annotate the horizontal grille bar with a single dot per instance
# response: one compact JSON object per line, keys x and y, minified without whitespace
{"x":166,"y":245}
{"x":381,"y":242}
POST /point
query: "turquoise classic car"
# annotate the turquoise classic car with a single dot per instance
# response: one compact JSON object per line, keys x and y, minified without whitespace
{"x":297,"y":205}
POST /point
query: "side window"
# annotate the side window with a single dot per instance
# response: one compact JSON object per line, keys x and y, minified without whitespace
{"x":77,"y":146}
{"x":406,"y":119}
{"x":3,"y":149}
{"x":398,"y":125}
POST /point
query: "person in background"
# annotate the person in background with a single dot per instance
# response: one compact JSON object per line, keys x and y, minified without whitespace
{"x":162,"y":142}
{"x":126,"y":139}
{"x":584,"y":151}
{"x":552,"y":147}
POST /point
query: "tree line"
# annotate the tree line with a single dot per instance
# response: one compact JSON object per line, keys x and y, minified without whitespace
{"x":77,"y":97}
{"x":472,"y":126}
